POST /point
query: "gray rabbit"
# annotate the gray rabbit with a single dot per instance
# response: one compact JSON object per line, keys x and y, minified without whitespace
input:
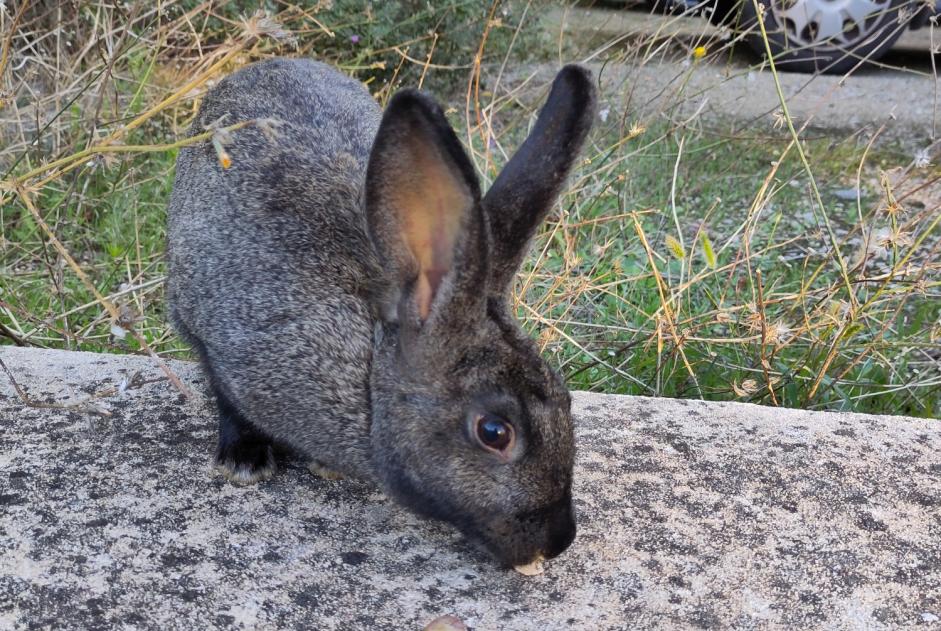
{"x":347,"y":291}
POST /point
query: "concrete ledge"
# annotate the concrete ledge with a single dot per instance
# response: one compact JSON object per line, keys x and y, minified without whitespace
{"x":691,"y":515}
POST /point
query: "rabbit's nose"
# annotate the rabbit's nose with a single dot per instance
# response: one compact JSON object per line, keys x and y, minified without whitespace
{"x":561,"y":530}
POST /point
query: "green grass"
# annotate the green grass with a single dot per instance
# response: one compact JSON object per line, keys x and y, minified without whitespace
{"x":735,"y":299}
{"x":116,"y":229}
{"x":601,"y":315}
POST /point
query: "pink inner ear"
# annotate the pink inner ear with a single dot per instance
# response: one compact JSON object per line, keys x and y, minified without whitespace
{"x":432,"y":202}
{"x":424,"y":294}
{"x":428,"y":283}
{"x":434,"y":251}
{"x":438,"y":253}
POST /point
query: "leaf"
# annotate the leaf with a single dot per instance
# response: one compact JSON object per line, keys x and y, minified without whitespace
{"x":748,"y":388}
{"x":676,"y":247}
{"x":852,"y":330}
{"x":708,"y":253}
{"x":446,"y":623}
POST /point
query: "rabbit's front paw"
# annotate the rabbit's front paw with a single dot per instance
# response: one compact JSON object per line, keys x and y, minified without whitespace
{"x":322,"y":472}
{"x":247,"y":463}
{"x":244,"y":454}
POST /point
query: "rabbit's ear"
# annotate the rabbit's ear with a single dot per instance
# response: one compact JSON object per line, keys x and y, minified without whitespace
{"x":527,"y":187}
{"x":423,"y":207}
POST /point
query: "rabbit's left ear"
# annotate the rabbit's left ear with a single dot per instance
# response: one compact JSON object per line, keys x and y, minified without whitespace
{"x":423,"y":209}
{"x":526,"y":189}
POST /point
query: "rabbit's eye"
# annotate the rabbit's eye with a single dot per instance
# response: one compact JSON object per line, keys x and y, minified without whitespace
{"x":494,"y":433}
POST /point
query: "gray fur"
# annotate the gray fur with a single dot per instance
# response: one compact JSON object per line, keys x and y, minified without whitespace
{"x":310,"y":330}
{"x":268,"y":259}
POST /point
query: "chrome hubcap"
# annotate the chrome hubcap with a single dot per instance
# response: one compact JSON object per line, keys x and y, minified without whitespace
{"x":839,"y":23}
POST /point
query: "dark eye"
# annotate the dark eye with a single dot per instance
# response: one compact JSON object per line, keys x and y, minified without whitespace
{"x":494,"y":433}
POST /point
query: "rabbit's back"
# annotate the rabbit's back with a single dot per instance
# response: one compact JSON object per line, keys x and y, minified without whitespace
{"x":270,"y":263}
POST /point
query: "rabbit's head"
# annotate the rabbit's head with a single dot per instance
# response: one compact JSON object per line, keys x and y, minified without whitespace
{"x":469,"y":424}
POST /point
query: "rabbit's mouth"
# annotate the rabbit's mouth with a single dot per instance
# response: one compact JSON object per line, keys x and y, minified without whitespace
{"x":528,"y":538}
{"x":514,"y":539}
{"x":559,"y":524}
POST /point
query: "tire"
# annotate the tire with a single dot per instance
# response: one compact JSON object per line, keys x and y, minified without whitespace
{"x":722,"y":12}
{"x":718,"y":12}
{"x":827,"y":36}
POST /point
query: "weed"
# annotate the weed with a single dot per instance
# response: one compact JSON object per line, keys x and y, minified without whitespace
{"x":686,"y":258}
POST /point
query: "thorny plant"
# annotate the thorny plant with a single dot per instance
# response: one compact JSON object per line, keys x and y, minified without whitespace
{"x":687,"y":258}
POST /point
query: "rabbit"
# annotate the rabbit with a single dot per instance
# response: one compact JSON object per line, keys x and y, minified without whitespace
{"x":347,"y":290}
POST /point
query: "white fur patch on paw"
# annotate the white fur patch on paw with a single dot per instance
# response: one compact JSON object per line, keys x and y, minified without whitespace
{"x":322,"y":472}
{"x":243,"y":475}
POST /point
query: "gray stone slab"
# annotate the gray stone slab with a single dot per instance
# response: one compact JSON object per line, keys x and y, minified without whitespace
{"x":691,"y":514}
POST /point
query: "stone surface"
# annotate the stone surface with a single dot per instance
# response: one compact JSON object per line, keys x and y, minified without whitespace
{"x":691,"y":515}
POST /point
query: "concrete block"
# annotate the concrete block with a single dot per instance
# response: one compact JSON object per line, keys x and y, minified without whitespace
{"x":691,"y":515}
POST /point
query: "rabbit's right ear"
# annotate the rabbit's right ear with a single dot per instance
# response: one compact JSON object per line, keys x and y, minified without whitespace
{"x":423,"y":211}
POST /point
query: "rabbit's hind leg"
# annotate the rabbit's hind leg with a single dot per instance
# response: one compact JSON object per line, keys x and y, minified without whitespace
{"x":323,"y":472}
{"x":244,"y":454}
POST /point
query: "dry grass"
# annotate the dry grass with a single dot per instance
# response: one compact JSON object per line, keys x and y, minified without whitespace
{"x":686,"y":259}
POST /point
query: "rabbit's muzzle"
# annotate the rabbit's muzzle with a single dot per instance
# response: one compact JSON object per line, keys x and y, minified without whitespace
{"x":557,"y":523}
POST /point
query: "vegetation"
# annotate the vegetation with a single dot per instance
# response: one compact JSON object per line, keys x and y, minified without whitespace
{"x":685,"y":259}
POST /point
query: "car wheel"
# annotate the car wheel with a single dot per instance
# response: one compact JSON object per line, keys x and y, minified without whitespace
{"x":830,"y":36}
{"x":721,"y":12}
